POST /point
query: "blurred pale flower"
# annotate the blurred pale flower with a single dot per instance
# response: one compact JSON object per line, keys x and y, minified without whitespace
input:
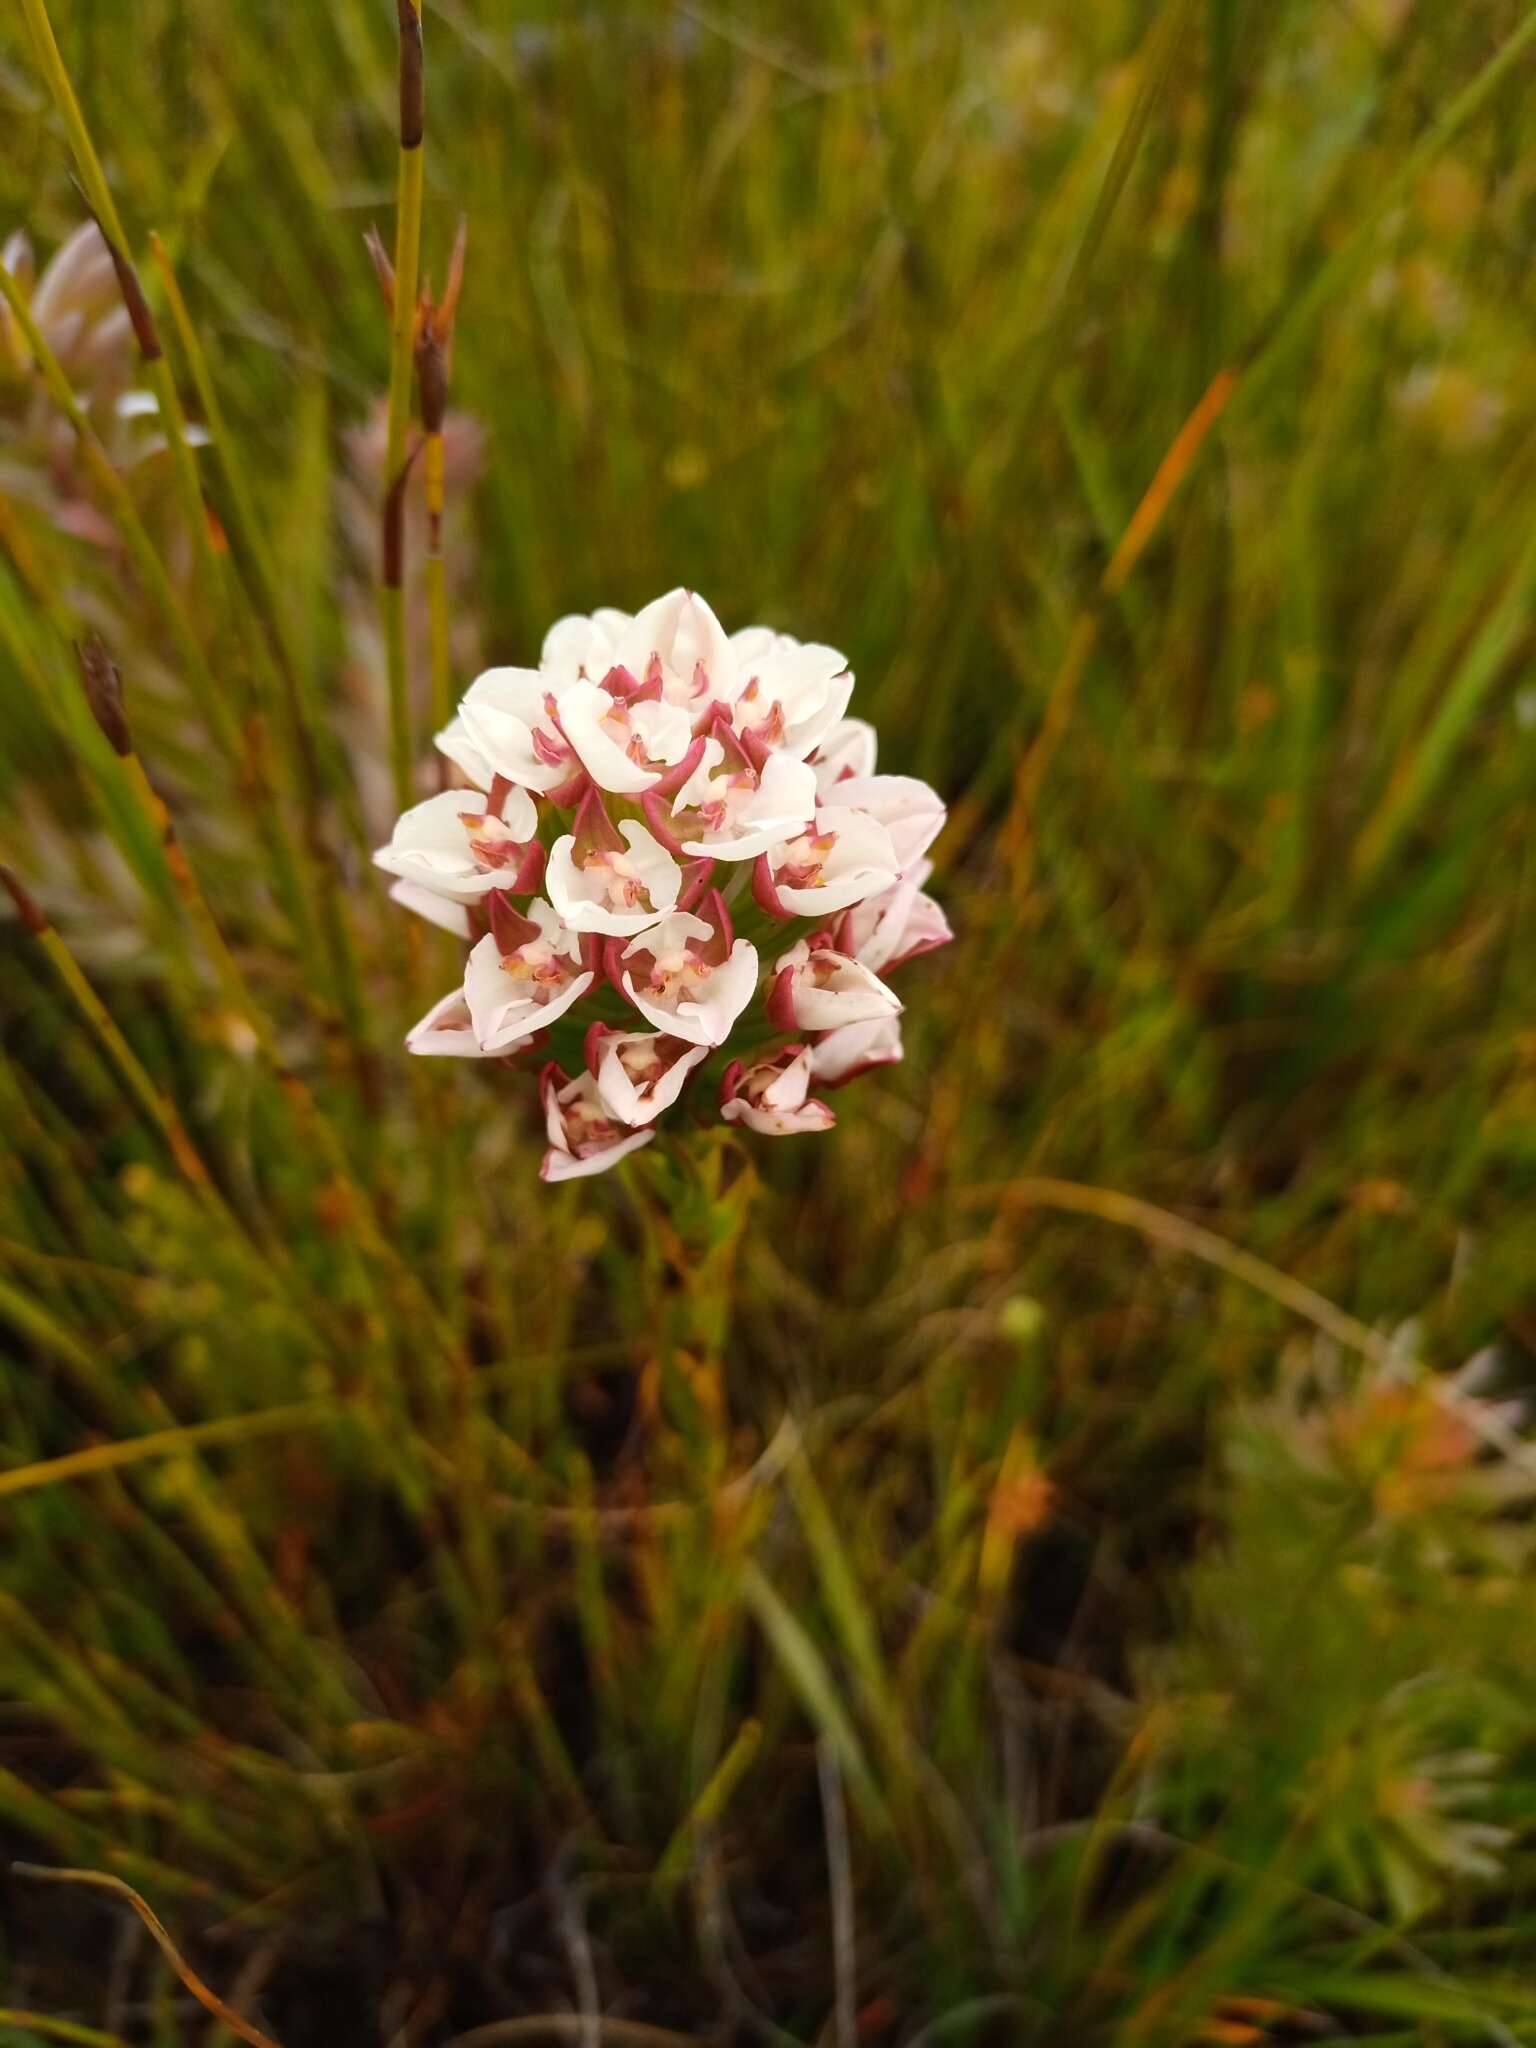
{"x":655,"y":813}
{"x":1459,"y":410}
{"x":78,"y":308}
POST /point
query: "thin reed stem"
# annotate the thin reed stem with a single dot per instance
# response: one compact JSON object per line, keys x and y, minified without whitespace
{"x":97,"y":191}
{"x":437,"y":585}
{"x":205,"y":1996}
{"x":120,"y":1055}
{"x":407,"y":267}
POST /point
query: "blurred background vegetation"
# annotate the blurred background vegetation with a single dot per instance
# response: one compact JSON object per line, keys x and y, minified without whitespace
{"x":1051,"y":1562}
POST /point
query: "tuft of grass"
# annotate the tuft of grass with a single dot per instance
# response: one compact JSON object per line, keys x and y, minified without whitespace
{"x":1049,"y":1562}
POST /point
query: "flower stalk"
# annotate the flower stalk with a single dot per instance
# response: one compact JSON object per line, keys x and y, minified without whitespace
{"x":434,"y":354}
{"x":697,"y":1206}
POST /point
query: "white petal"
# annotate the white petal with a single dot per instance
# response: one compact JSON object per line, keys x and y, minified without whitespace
{"x":454,"y":741}
{"x":847,"y":889}
{"x":578,"y":645}
{"x":811,"y":684}
{"x":910,"y":811}
{"x":582,"y":711}
{"x":433,"y":825}
{"x":682,"y":631}
{"x":439,"y":910}
{"x":500,"y":712}
{"x":446,"y":1029}
{"x":519,"y":813}
{"x":856,"y":997}
{"x":659,"y":873}
{"x":849,"y":1050}
{"x":749,"y":644}
{"x":673,"y":934}
{"x":812,"y":727}
{"x":926,"y":929}
{"x":563,"y":879}
{"x":848,"y":750}
{"x":889,"y":928}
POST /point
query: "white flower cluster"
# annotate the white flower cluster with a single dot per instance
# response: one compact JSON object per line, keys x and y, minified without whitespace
{"x":651,"y":813}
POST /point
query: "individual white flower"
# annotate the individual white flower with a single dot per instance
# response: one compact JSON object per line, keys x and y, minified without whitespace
{"x":678,"y":645}
{"x":447,"y":1028}
{"x":772,"y":1096}
{"x":626,"y":736}
{"x":611,"y":878}
{"x":688,"y":975}
{"x":853,"y":1049}
{"x":728,"y":809}
{"x":583,"y":1137}
{"x":849,"y":749}
{"x":509,"y":722}
{"x":459,"y":846}
{"x":887,"y":930}
{"x":639,"y":1073}
{"x":790,"y":693}
{"x":909,"y":810}
{"x":841,"y":858}
{"x":816,"y":988}
{"x":524,"y":973}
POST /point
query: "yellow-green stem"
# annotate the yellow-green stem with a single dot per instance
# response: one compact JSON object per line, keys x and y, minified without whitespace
{"x":97,"y":190}
{"x":437,"y":582}
{"x":119,"y":1053}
